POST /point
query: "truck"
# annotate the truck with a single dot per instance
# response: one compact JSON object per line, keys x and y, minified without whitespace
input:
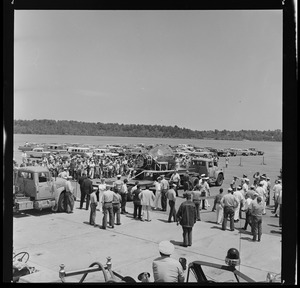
{"x":35,"y":188}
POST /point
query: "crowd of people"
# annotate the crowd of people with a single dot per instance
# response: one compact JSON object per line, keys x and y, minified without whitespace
{"x":111,"y":200}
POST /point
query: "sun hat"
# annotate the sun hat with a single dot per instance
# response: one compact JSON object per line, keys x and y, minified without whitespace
{"x":166,"y":247}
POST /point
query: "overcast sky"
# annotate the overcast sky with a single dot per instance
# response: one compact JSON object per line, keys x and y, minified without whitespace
{"x":201,"y":70}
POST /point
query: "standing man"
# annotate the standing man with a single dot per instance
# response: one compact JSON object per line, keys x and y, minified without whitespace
{"x":107,"y":199}
{"x":137,"y":206}
{"x":186,"y":217}
{"x":157,"y":184}
{"x":228,"y":202}
{"x":69,"y":198}
{"x":186,"y":181}
{"x":280,"y":208}
{"x":226,"y":161}
{"x":82,"y":193}
{"x":175,"y":178}
{"x":171,"y":195}
{"x":257,"y":212}
{"x":219,"y":208}
{"x":196,"y":195}
{"x":276,"y":189}
{"x":247,"y":210}
{"x":123,"y":192}
{"x":147,"y":200}
{"x":262,"y":193}
{"x":116,"y":204}
{"x":204,"y":189}
{"x":101,"y":189}
{"x":164,"y":188}
{"x":245,"y":186}
{"x":87,"y":186}
{"x":165,"y":268}
{"x":240,"y":198}
{"x":94,"y":204}
{"x":233,"y":183}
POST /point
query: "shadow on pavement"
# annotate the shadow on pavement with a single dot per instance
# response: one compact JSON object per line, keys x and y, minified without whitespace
{"x":273,"y":225}
{"x":216,"y":227}
{"x":246,"y":238}
{"x":177,"y":243}
{"x":275,"y":232}
{"x":163,"y":220}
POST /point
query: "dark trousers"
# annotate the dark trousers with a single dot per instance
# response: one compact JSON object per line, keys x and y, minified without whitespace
{"x":123,"y":203}
{"x":172,"y":211}
{"x":280,"y":215}
{"x":116,"y":211}
{"x":187,"y":235}
{"x":82,"y":198}
{"x":228,"y":211}
{"x":197,"y":204}
{"x":107,"y":209}
{"x":137,"y":210}
{"x":164,"y":199}
{"x":256,"y":227}
{"x":93,"y":213}
{"x":248,"y":220}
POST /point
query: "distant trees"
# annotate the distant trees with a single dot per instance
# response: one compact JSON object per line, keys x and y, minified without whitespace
{"x":62,"y":127}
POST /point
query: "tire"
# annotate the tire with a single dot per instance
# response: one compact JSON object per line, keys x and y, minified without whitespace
{"x":219,"y":180}
{"x":61,"y":202}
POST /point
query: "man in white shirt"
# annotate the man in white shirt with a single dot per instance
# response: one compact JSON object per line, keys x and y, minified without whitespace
{"x":165,"y":268}
{"x":157,"y":184}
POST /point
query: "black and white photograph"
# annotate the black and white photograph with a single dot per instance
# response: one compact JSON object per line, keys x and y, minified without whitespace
{"x":147,"y":145}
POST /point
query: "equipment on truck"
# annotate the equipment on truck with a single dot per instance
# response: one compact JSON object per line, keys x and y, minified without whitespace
{"x":35,"y":188}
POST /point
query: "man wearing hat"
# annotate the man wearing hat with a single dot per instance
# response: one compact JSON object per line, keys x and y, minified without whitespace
{"x":245,"y":186}
{"x":256,"y":214}
{"x":233,"y":183}
{"x":171,"y":196}
{"x":276,"y":189}
{"x":241,"y":199}
{"x":229,"y":202}
{"x":175,"y":179}
{"x":164,"y":189}
{"x":94,"y":204}
{"x":262,"y":193}
{"x":187,"y":217}
{"x":69,"y":198}
{"x":165,"y":268}
{"x":87,"y":187}
{"x":157,"y":184}
{"x":204,"y":189}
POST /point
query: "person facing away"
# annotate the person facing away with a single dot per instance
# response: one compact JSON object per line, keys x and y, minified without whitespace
{"x":147,"y":200}
{"x":137,"y":209}
{"x":229,"y":202}
{"x":164,"y":188}
{"x":116,"y":203}
{"x":157,"y":184}
{"x":196,"y":198}
{"x":257,"y":209}
{"x":171,"y":196}
{"x":165,"y":268}
{"x":186,"y":217}
{"x":87,"y":186}
{"x":218,"y":206}
{"x":107,"y":208}
{"x":94,"y":204}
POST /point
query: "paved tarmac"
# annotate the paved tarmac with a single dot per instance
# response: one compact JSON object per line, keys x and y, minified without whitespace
{"x":52,"y":239}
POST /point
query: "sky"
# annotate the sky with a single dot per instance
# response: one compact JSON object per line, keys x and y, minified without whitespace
{"x":197,"y":69}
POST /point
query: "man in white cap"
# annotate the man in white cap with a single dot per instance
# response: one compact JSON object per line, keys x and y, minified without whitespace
{"x":204,"y":189}
{"x":245,"y":186}
{"x":165,"y":268}
{"x":229,"y":202}
{"x":262,"y":193}
{"x":164,"y":189}
{"x":276,"y":189}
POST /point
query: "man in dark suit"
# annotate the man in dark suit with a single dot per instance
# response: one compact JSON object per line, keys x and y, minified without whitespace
{"x":86,"y":187}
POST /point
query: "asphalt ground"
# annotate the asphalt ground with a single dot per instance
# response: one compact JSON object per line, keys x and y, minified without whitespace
{"x":52,"y":239}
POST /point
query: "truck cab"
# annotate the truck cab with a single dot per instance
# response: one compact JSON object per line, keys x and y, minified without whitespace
{"x":36,"y":189}
{"x":206,"y":166}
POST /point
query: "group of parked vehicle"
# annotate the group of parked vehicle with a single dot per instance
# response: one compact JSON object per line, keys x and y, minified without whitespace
{"x":65,"y":150}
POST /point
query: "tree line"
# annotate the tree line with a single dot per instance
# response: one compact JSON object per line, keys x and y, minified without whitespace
{"x":66,"y":127}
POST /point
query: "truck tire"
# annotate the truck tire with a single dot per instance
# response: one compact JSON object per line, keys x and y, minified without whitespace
{"x":61,"y":202}
{"x":219,"y":180}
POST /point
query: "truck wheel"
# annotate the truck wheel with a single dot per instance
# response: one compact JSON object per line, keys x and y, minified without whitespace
{"x":61,"y":202}
{"x":220,"y":179}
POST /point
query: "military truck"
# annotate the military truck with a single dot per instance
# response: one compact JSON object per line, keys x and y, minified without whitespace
{"x":200,"y":165}
{"x":35,"y":188}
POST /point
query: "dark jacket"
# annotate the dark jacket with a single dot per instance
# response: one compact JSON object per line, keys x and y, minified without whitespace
{"x":186,"y":214}
{"x":87,"y":186}
{"x":135,"y":196}
{"x":81,"y":179}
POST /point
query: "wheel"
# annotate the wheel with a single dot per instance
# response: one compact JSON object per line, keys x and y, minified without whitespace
{"x":61,"y":202}
{"x":21,"y":256}
{"x":220,"y":179}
